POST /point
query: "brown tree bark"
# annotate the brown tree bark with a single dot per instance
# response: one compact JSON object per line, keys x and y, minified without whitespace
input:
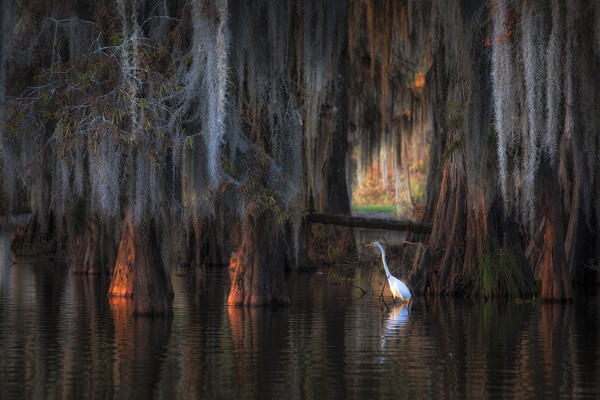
{"x":438,"y":267}
{"x":139,"y":273}
{"x":553,"y":268}
{"x":258,"y":276}
{"x":94,"y":252}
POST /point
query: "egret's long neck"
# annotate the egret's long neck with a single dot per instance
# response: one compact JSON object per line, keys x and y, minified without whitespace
{"x":387,"y":271}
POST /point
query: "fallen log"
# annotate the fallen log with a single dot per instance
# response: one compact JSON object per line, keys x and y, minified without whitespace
{"x":371,"y":223}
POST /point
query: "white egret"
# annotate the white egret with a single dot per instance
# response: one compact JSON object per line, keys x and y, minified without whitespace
{"x":397,"y":287}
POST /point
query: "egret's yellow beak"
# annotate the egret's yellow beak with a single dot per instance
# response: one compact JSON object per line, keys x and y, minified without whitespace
{"x":370,"y":245}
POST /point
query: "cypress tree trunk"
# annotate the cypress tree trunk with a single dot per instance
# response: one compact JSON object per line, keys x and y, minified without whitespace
{"x":462,"y":194}
{"x":333,"y":197}
{"x":258,"y":276}
{"x":94,"y":252}
{"x":439,"y":265}
{"x":553,"y":268}
{"x":334,"y":193}
{"x":139,"y":273}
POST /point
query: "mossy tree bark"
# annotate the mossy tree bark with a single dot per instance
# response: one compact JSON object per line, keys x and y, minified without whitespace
{"x":258,"y":276}
{"x":463,"y":200}
{"x":140,"y":275}
{"x":333,"y":196}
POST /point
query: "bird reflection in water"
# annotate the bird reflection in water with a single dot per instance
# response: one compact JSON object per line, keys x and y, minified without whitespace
{"x":396,"y":321}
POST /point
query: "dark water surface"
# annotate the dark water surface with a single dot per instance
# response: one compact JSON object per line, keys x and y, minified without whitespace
{"x":61,"y":338}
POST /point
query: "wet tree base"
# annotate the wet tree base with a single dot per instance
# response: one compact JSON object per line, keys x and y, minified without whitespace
{"x":139,"y":276}
{"x":257,"y":270}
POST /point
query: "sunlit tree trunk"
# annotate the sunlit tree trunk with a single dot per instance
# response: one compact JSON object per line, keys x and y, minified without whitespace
{"x":258,"y":277}
{"x":140,"y":275}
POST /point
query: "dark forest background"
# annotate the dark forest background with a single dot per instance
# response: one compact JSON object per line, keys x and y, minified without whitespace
{"x":144,"y":134}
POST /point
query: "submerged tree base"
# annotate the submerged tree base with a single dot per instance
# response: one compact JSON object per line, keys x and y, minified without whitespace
{"x":139,"y":274}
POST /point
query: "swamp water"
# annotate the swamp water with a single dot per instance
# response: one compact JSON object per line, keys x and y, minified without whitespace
{"x":61,"y":338}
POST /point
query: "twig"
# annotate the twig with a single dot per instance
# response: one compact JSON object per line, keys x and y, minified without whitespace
{"x":349,"y":283}
{"x":358,"y":287}
{"x":381,"y":296}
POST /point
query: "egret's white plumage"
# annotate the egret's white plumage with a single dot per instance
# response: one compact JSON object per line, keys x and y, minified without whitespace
{"x":397,"y":287}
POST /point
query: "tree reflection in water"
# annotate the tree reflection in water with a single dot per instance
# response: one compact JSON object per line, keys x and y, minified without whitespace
{"x":139,"y":349}
{"x":61,"y":337}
